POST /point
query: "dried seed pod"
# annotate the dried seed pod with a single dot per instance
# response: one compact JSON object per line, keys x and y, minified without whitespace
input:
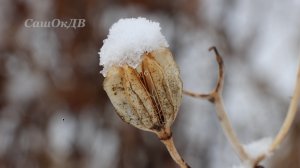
{"x":147,"y":97}
{"x":141,"y":78}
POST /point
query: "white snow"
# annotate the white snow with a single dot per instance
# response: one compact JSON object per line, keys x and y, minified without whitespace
{"x":254,"y":149}
{"x":258,"y":147}
{"x":127,"y":40}
{"x":243,"y":165}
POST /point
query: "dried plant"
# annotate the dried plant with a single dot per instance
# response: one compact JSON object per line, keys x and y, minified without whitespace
{"x":143,"y":84}
{"x":148,"y":97}
{"x":216,"y":98}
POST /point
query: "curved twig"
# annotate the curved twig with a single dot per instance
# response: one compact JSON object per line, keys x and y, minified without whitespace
{"x":216,"y":97}
{"x":292,"y":111}
{"x":220,"y":80}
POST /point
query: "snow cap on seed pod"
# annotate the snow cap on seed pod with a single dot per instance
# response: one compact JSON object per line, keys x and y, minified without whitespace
{"x":141,"y":77}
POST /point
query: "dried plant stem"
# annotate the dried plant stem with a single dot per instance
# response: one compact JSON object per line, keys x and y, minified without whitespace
{"x":216,"y":97}
{"x":166,"y":138}
{"x":202,"y":96}
{"x":174,"y":153}
{"x":228,"y":130}
{"x":290,"y":116}
{"x":292,"y":111}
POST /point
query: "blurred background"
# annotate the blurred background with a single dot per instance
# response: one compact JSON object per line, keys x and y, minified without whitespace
{"x":55,"y":114}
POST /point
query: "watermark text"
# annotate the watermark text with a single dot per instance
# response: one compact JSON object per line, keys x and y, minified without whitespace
{"x":55,"y":23}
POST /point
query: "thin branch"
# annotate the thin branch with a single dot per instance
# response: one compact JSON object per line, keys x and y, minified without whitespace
{"x":228,"y":130}
{"x":220,"y":82}
{"x":290,"y":116}
{"x":222,"y":116}
{"x":219,"y":59}
{"x":197,"y":95}
{"x":216,"y":97}
{"x":165,"y":137}
{"x":292,"y":111}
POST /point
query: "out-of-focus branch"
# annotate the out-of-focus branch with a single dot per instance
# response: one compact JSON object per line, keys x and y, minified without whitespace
{"x":290,"y":115}
{"x":216,"y":97}
{"x":292,"y":111}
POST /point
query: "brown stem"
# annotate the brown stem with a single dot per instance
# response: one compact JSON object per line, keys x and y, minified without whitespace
{"x":219,"y":59}
{"x":290,"y":116}
{"x":216,"y":97}
{"x":287,"y":122}
{"x":227,"y":128}
{"x":219,"y":86}
{"x":165,"y":137}
{"x":197,"y":95}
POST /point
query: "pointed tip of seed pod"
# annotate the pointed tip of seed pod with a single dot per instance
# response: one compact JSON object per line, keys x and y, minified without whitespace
{"x":128,"y":40}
